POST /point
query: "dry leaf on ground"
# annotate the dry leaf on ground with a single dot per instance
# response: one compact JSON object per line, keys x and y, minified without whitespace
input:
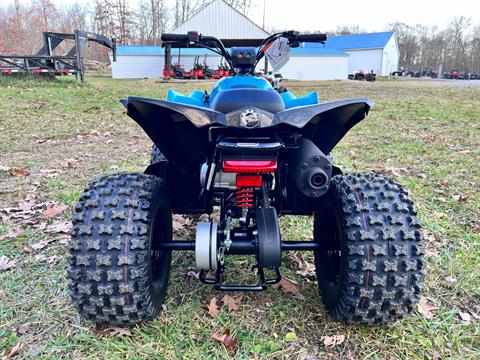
{"x":54,"y":210}
{"x":15,"y":350}
{"x":212,"y":307}
{"x":296,"y":257}
{"x":460,"y":198}
{"x":233,"y":302}
{"x":426,"y":308}
{"x":331,"y":341}
{"x":465,"y":316}
{"x":225,"y":339}
{"x":288,"y":286}
{"x":19,"y":171}
{"x":59,"y":227}
{"x":11,"y":234}
{"x":6,"y":263}
{"x":47,"y":259}
{"x":118,"y":331}
{"x":307,"y":270}
{"x":41,"y":244}
{"x":24,"y":328}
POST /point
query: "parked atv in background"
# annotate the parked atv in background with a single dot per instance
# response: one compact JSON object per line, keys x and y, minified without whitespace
{"x":254,"y":154}
{"x":474,"y":76}
{"x":176,"y":70}
{"x":362,"y":75}
{"x":453,"y":74}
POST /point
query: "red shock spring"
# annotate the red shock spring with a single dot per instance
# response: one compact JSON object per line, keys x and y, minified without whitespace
{"x":245,"y":197}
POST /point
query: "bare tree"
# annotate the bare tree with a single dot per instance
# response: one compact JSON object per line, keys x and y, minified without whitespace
{"x":349,"y":29}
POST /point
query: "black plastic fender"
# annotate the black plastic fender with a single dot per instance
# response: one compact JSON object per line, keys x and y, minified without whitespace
{"x":325,"y":124}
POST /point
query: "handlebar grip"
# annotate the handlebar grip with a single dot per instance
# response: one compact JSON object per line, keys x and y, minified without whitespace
{"x":174,"y":37}
{"x":318,"y":38}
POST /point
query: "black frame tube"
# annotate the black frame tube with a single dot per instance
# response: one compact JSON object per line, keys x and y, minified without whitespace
{"x":243,"y":247}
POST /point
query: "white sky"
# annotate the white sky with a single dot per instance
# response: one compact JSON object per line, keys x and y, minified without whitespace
{"x":372,"y":15}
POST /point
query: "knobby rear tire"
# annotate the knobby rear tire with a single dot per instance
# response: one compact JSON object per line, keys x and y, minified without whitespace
{"x":115,"y":275}
{"x":372,"y":268}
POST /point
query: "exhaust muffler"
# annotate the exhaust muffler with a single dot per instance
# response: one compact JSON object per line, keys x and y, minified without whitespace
{"x":310,"y":169}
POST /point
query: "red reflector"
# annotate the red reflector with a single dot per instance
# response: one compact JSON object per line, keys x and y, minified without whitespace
{"x":250,"y":166}
{"x":249,"y":180}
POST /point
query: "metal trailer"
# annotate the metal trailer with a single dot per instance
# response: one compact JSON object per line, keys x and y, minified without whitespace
{"x":46,"y":63}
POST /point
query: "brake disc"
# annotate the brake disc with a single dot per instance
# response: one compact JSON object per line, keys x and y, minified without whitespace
{"x":206,"y":246}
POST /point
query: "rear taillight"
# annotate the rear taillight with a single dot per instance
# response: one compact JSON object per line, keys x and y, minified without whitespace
{"x":250,"y":166}
{"x":249,"y":180}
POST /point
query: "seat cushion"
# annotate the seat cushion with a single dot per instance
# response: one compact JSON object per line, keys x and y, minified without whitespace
{"x":233,"y":99}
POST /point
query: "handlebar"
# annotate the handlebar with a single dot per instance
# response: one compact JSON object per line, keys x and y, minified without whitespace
{"x":193,"y":38}
{"x":320,"y":38}
{"x":174,"y":37}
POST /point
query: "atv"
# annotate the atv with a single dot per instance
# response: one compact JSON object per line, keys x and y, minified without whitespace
{"x":249,"y":155}
{"x":363,"y":75}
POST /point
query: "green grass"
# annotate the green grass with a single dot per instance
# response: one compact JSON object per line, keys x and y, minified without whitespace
{"x":427,"y":134}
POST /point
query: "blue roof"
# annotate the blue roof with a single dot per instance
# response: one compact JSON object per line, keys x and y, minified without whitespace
{"x":305,"y":51}
{"x":146,"y":50}
{"x":355,"y":41}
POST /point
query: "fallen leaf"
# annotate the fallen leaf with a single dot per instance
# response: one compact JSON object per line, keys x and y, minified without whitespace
{"x":24,"y":328}
{"x":426,"y":309}
{"x":118,"y":331}
{"x":391,"y":171}
{"x":19,"y":171}
{"x":11,"y":234}
{"x":15,"y":350}
{"x":47,"y":259}
{"x":465,"y":316}
{"x":233,"y":302}
{"x":41,"y":244}
{"x":460,"y":198}
{"x":225,"y":339}
{"x":6,"y":263}
{"x":296,"y":257}
{"x":64,"y":240}
{"x":59,"y":227}
{"x":54,"y":210}
{"x":331,"y":341}
{"x":307,"y":270}
{"x":288,"y":286}
{"x":212,"y":307}
{"x":26,"y":204}
{"x":2,"y":294}
{"x":450,"y":279}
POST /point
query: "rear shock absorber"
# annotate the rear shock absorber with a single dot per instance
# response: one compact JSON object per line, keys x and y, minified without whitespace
{"x":245,"y":198}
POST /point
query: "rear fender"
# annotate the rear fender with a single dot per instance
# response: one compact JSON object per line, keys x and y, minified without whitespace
{"x":181,"y":134}
{"x":325,"y":124}
{"x":180,"y":131}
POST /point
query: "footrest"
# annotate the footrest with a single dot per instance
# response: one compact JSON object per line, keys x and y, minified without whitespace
{"x":262,"y":284}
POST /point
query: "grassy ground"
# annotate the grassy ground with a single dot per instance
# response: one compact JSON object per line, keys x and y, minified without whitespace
{"x":65,"y":133}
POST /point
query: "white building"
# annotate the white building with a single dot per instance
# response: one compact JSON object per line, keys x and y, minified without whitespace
{"x":340,"y":56}
{"x":375,"y":51}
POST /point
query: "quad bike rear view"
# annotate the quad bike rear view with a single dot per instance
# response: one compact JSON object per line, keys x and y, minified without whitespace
{"x":254,"y":154}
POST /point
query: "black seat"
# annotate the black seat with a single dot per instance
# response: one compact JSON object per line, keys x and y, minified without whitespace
{"x":233,"y":99}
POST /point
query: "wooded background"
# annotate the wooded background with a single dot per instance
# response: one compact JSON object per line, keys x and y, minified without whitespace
{"x":457,"y":46}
